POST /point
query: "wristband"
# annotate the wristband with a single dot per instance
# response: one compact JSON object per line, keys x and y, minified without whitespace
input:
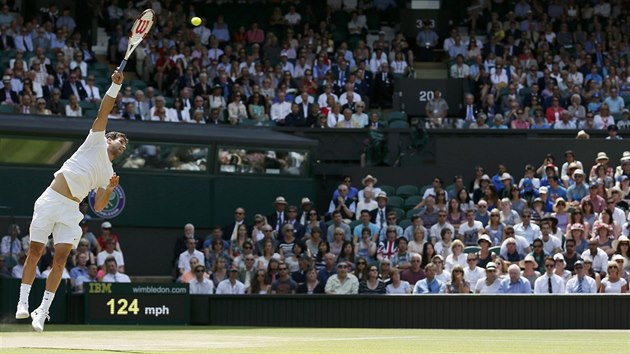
{"x":113,"y":90}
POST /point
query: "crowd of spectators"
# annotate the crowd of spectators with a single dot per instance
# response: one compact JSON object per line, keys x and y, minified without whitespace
{"x":540,"y":65}
{"x":304,"y":65}
{"x":95,"y":259}
{"x":564,"y":223}
{"x":561,"y":227}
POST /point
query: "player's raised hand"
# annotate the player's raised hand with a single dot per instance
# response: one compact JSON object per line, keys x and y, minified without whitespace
{"x":117,"y":77}
{"x":113,"y":181}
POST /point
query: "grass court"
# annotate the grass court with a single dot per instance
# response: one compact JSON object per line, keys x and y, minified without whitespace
{"x":169,"y":339}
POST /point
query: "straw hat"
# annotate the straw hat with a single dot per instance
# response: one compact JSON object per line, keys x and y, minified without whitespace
{"x":601,"y":156}
{"x":367,"y":178}
{"x":528,"y":258}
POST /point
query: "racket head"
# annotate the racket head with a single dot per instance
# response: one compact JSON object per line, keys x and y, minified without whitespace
{"x":140,"y":29}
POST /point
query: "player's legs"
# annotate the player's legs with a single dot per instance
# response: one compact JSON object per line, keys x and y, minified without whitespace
{"x":41,"y":227}
{"x":35,"y":252}
{"x":62,"y":251}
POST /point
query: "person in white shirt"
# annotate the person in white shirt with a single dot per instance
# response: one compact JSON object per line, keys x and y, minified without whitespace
{"x":469,"y":231}
{"x":191,"y":252}
{"x":581,"y":283}
{"x":323,"y":98}
{"x":549,"y":283}
{"x":367,"y":203}
{"x":526,"y":229}
{"x":551,"y":244}
{"x":201,"y":285}
{"x":599,"y":257}
{"x":160,"y":113}
{"x":231,"y":286}
{"x":112,"y":275}
{"x":472,"y":273}
{"x":490,"y":283}
{"x":109,"y":251}
{"x":280,"y":109}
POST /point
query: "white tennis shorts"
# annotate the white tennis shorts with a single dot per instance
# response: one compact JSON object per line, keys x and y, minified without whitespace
{"x":57,"y":215}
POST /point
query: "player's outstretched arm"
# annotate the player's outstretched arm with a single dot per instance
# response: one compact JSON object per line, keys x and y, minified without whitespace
{"x":100,"y":124}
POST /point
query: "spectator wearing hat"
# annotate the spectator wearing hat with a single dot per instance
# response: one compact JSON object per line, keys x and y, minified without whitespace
{"x":106,"y":232}
{"x":231,"y":285}
{"x":279,"y":216}
{"x":200,"y":284}
{"x":581,"y":283}
{"x":578,"y":189}
{"x":515,"y":283}
{"x":7,"y":95}
{"x":343,"y":282}
{"x":378,"y":216}
{"x":532,"y":268}
{"x":431,"y":284}
{"x":560,"y":267}
{"x":613,"y":133}
{"x":368,"y":181}
{"x":601,"y":159}
{"x":624,"y":123}
{"x":306,"y":206}
{"x":621,"y":261}
{"x":490,"y":283}
{"x":569,"y":156}
{"x":549,"y":283}
{"x":484,"y":256}
{"x":440,"y":273}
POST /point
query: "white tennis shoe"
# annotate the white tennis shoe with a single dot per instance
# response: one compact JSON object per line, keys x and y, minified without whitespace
{"x":22,"y":311}
{"x":39,"y":316}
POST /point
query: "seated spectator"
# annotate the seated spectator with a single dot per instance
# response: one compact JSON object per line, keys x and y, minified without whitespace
{"x":90,"y":277}
{"x":109,"y":251}
{"x":372,"y":284}
{"x":514,"y":283}
{"x":200,"y":284}
{"x":112,"y":274}
{"x":72,"y":108}
{"x":430,"y":284}
{"x":231,"y":285}
{"x":343,"y":282}
{"x":490,"y":284}
{"x":398,"y":286}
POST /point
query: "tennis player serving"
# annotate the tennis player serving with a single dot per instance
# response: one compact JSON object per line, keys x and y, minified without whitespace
{"x":57,"y":209}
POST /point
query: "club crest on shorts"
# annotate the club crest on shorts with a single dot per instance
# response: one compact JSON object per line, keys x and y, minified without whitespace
{"x":114,"y":206}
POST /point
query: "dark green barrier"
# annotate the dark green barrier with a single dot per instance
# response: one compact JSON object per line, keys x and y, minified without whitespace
{"x":10,"y":293}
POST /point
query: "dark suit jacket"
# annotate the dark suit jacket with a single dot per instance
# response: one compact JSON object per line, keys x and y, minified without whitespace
{"x":374,"y":214}
{"x":132,"y":116}
{"x":66,"y":90}
{"x":59,"y":82}
{"x":464,"y":111}
{"x":378,"y":125}
{"x":299,"y":229}
{"x":198,"y":90}
{"x":13,"y":94}
{"x":294,"y":120}
{"x":47,"y":93}
{"x":9,"y":42}
{"x":272,"y":218}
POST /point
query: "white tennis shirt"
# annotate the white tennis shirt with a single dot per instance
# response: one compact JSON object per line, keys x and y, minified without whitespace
{"x":89,"y":167}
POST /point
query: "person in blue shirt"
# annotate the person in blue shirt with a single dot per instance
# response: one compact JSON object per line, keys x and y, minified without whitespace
{"x":579,"y":189}
{"x":353,"y":193}
{"x":614,"y":102}
{"x":430,"y":284}
{"x":496,"y":179}
{"x":515,"y":283}
{"x":595,"y":76}
{"x":554,"y":189}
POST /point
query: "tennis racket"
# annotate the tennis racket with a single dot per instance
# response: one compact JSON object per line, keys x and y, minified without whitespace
{"x":139,"y":31}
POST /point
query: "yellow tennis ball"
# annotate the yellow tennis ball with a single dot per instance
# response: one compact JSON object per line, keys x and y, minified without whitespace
{"x":196,"y":21}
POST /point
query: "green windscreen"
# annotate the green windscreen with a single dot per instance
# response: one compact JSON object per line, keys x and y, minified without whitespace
{"x":33,"y":151}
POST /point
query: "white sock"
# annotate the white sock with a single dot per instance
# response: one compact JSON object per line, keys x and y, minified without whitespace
{"x":47,"y":300}
{"x":25,"y":290}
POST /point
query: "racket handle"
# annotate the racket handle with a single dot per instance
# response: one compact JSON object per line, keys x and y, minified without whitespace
{"x":121,"y":68}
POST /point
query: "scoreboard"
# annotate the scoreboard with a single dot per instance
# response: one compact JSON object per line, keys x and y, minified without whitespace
{"x":129,"y":303}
